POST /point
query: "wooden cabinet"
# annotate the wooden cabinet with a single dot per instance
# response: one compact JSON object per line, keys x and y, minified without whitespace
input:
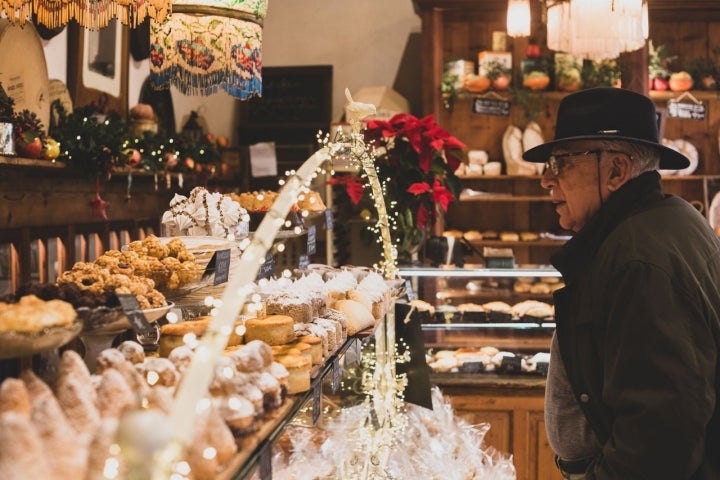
{"x":460,"y":29}
{"x":513,"y":410}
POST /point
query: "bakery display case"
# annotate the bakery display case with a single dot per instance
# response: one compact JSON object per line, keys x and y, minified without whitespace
{"x":492,"y":365}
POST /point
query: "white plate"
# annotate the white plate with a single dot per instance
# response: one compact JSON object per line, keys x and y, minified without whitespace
{"x":714,"y":212}
{"x":687,"y":149}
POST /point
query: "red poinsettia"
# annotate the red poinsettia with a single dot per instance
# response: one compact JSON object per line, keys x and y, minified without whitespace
{"x":416,"y":159}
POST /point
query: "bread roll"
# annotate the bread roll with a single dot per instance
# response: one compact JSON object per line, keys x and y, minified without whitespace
{"x":358,"y":316}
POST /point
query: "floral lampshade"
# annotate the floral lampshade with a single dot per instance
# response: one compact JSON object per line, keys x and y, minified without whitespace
{"x":596,"y":29}
{"x":91,"y":14}
{"x":204,"y":47}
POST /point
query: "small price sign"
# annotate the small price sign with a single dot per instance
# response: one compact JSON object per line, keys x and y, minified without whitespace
{"x":303,"y":262}
{"x":220,"y":264}
{"x":267,"y":269}
{"x":131,"y":309}
{"x":491,"y":106}
{"x":328,"y":219}
{"x":687,"y":111}
{"x":311,"y":240}
{"x":316,"y":402}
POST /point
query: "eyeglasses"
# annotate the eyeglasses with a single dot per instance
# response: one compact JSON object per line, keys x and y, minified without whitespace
{"x":556,"y":163}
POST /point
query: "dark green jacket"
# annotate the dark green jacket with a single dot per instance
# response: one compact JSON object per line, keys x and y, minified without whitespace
{"x":638,"y":324}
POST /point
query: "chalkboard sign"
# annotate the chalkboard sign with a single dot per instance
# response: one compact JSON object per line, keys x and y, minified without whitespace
{"x":491,"y":106}
{"x":511,"y":364}
{"x":300,"y":94}
{"x":689,"y":111}
{"x":267,"y":268}
{"x":131,"y":309}
{"x":220,"y":264}
{"x":311,"y":240}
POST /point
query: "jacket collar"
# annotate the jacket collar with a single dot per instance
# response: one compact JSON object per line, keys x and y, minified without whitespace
{"x":577,"y":253}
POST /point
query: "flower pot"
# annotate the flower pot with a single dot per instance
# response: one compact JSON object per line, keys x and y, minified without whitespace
{"x":7,"y":143}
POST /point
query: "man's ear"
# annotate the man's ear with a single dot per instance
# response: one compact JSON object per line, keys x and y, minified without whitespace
{"x":620,"y":171}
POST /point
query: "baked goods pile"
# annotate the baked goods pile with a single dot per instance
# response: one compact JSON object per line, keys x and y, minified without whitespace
{"x":31,"y":314}
{"x":305,"y":320}
{"x":261,"y":201}
{"x":487,"y":359}
{"x":205,"y":214}
{"x":64,"y":429}
{"x":495,"y":311}
{"x":141,"y":269}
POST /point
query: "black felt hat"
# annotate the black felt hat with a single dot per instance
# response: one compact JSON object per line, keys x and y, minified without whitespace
{"x":607,"y":113}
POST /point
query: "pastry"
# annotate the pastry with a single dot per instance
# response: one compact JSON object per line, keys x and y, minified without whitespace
{"x":498,"y":311}
{"x":237,"y":411}
{"x":529,"y":236}
{"x":509,"y":237}
{"x":76,"y":394}
{"x":252,"y":357}
{"x":472,"y":313}
{"x":299,"y":307}
{"x":358,"y":316}
{"x":114,"y":394}
{"x":31,"y":315}
{"x":473,"y":235}
{"x":22,"y":453}
{"x":273,"y":329}
{"x":14,"y":397}
{"x":132,"y":351}
{"x":311,"y":201}
{"x":158,"y":371}
{"x":173,"y":335}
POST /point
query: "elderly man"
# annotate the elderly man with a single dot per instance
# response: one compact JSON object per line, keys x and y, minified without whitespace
{"x":632,"y":391}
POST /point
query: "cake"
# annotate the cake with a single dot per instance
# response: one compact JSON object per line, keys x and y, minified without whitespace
{"x":298,"y":368}
{"x":273,"y":329}
{"x":315,"y":344}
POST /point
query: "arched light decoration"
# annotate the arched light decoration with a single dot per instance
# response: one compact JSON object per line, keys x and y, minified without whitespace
{"x":518,"y":18}
{"x":90,"y":14}
{"x":207,"y":45}
{"x":595,"y":29}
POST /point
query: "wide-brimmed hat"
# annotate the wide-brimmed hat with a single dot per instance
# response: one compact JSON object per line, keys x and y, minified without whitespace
{"x":606,"y":113}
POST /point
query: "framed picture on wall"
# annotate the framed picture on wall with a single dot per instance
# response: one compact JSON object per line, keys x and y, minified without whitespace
{"x":98,"y":66}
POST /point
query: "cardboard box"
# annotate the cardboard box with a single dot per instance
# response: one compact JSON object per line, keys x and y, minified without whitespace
{"x":485,"y":58}
{"x":461,"y":69}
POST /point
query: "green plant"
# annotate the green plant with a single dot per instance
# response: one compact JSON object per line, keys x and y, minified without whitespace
{"x":600,"y":73}
{"x":91,"y":142}
{"x":659,"y":60}
{"x":703,"y":70}
{"x":7,"y":106}
{"x":496,"y":69}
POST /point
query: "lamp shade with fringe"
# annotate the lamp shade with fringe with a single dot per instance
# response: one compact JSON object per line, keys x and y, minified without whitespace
{"x":90,"y":14}
{"x":204,"y":47}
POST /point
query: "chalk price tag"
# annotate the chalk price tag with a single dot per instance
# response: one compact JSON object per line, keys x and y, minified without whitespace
{"x":303,"y":262}
{"x":511,"y":364}
{"x":337,"y":373}
{"x":131,"y":309}
{"x":317,"y":402}
{"x":542,"y":368}
{"x":328,"y":219}
{"x":267,"y":269}
{"x":220,"y":264}
{"x":311,"y":240}
{"x":409,"y":290}
{"x":472,"y":367}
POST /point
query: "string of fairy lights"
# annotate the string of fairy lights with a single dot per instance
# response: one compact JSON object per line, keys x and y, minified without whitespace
{"x":384,"y":404}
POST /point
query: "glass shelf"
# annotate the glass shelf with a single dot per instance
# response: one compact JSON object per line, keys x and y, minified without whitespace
{"x":541,"y":271}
